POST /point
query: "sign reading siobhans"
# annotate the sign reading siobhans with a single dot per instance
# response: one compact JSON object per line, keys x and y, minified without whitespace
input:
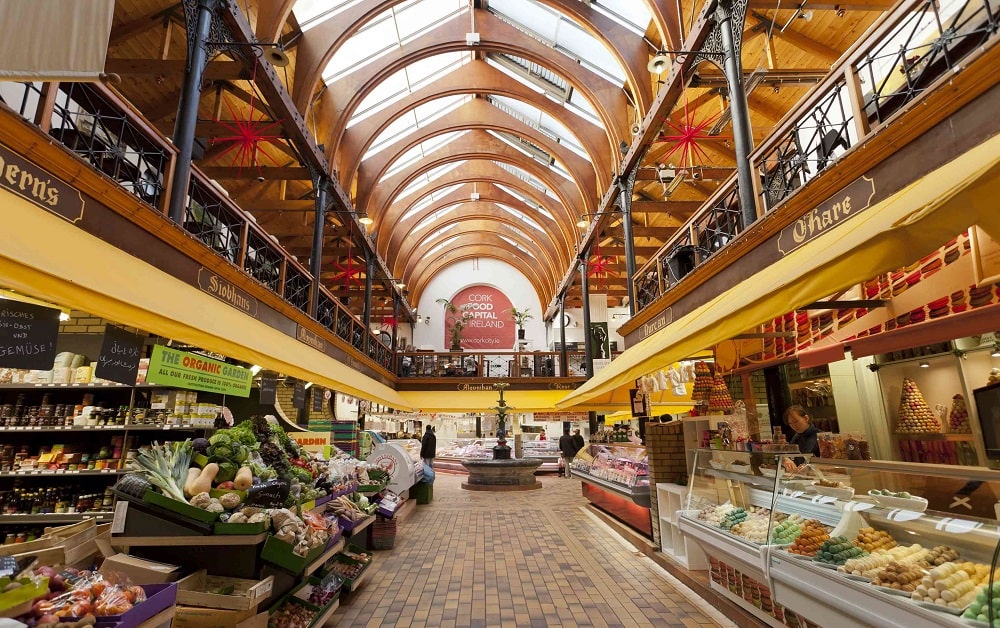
{"x":489,"y":325}
{"x":194,"y":372}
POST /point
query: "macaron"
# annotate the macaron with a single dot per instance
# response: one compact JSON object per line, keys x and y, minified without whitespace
{"x":917,"y":316}
{"x":951,"y":255}
{"x":981,"y":296}
{"x":939,"y":307}
{"x":931,"y":267}
{"x":912,"y":278}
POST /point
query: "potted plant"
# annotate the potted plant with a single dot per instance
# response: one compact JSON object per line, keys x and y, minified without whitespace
{"x":455,"y":319}
{"x":520,"y":317}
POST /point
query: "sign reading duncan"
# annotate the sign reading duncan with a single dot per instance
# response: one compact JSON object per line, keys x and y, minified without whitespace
{"x":38,"y":187}
{"x":659,"y":322}
{"x":489,"y":325}
{"x":225,"y":291}
{"x":846,"y":203}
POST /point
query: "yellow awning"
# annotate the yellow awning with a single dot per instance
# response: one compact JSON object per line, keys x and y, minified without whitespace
{"x":481,"y":400}
{"x":70,"y":267}
{"x":895,"y":232}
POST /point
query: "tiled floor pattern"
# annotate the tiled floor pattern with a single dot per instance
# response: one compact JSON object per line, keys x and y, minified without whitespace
{"x":534,"y":558}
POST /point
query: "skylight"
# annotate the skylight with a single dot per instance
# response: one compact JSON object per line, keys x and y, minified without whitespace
{"x":428,"y":199}
{"x":414,"y":119}
{"x":437,"y":247}
{"x":527,"y":201}
{"x":420,"y":151}
{"x":429,"y":220}
{"x":515,"y":244}
{"x":521,"y":216}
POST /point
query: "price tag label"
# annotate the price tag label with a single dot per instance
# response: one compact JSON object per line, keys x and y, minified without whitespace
{"x":60,"y":470}
{"x":167,"y":427}
{"x":118,"y":522}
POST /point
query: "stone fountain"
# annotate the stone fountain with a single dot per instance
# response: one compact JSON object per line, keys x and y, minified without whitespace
{"x":503,"y":473}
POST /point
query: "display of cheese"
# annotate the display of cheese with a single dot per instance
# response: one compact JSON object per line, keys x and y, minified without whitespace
{"x":899,"y":577}
{"x":915,"y":416}
{"x":952,"y":585}
{"x":958,"y":418}
{"x":813,"y":535}
{"x":719,"y":397}
{"x":870,"y":539}
{"x":869,"y":566}
{"x":837,"y":550}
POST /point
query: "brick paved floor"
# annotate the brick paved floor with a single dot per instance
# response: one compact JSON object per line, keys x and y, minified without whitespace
{"x":534,"y":558}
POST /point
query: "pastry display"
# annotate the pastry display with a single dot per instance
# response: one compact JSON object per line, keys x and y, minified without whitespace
{"x":980,"y":607}
{"x":940,"y":555}
{"x":812,"y":537}
{"x":915,"y":416}
{"x":870,"y":539}
{"x":899,"y":577}
{"x":838,"y":550}
{"x":702,"y":382}
{"x":753,"y":529}
{"x":787,"y":531}
{"x":958,"y":418}
{"x":713,"y":516}
{"x":869,"y":566}
{"x":719,"y":398}
{"x":734,"y":516}
{"x":952,"y":585}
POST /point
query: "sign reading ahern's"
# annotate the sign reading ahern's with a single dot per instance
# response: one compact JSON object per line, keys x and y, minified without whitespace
{"x":171,"y":367}
{"x":489,"y":325}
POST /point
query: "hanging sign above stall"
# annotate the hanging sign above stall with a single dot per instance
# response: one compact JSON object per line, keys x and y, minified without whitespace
{"x":120,"y":355}
{"x":186,"y":370}
{"x":28,"y":335}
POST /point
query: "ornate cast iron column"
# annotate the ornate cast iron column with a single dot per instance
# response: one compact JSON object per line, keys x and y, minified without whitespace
{"x":625,"y":187}
{"x":321,"y":185}
{"x":563,"y":356}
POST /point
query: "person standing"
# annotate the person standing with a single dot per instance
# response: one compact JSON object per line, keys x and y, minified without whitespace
{"x":568,"y":450}
{"x":428,"y":446}
{"x":805,"y":435}
{"x":541,"y":435}
{"x":578,"y":440}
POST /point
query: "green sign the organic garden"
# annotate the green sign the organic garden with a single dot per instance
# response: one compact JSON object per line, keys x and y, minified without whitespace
{"x":171,"y":367}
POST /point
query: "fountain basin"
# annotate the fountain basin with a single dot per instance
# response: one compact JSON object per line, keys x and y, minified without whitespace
{"x":501,"y":475}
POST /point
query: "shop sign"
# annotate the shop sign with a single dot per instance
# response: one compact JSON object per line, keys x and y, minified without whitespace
{"x":837,"y":209}
{"x":186,"y":370}
{"x":561,"y":417}
{"x":28,"y":335}
{"x":640,"y":402}
{"x":305,"y":336}
{"x":270,"y":494}
{"x":317,"y":399}
{"x":299,"y":395}
{"x":489,"y":325}
{"x":268,"y":390}
{"x":120,"y":355}
{"x":311,"y":441}
{"x":225,"y":291}
{"x":38,"y":187}
{"x":649,"y":328}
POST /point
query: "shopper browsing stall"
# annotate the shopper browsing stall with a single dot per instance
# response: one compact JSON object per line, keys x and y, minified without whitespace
{"x":568,"y":449}
{"x":428,"y":446}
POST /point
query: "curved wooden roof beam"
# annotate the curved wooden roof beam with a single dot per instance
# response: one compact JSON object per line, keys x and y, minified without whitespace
{"x":484,"y":173}
{"x":481,"y":223}
{"x":478,"y":145}
{"x":490,"y":194}
{"x":477,"y":114}
{"x":425,"y":270}
{"x":349,"y":92}
{"x":477,"y":77}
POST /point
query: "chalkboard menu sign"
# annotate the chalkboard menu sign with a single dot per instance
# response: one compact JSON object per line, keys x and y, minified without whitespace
{"x":317,"y":395}
{"x":299,"y":394}
{"x":120,"y":355}
{"x":270,"y":494}
{"x":268,"y":390}
{"x":27,"y":335}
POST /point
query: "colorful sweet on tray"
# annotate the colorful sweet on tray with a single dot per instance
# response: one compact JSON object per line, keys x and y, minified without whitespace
{"x":952,"y":585}
{"x":838,"y":550}
{"x":980,"y":607}
{"x":714,"y":515}
{"x":939,"y":555}
{"x":958,"y":418}
{"x":812,"y":537}
{"x":870,"y":540}
{"x":733,"y":517}
{"x":900,"y":577}
{"x":869,"y":566}
{"x":787,"y":530}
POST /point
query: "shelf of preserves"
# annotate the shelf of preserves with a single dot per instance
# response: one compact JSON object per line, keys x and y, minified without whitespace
{"x":47,"y":472}
{"x":97,"y":428}
{"x":732,"y":515}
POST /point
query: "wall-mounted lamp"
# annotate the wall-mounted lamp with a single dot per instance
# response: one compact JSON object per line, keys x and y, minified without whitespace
{"x":427,"y":320}
{"x":924,"y":364}
{"x":585,"y":218}
{"x":363,"y":217}
{"x":659,"y":62}
{"x":670,"y":177}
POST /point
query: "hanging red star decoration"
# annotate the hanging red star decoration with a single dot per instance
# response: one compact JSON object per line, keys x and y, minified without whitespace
{"x":349,"y":273}
{"x":598,"y":267}
{"x":688,"y":135}
{"x":248,"y":137}
{"x":388,"y":321}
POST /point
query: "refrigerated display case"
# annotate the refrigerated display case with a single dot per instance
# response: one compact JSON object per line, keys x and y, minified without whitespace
{"x":845,"y":542}
{"x":546,"y":450}
{"x":615,"y":478}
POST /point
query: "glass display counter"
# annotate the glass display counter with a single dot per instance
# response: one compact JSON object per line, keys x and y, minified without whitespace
{"x":451,"y":453}
{"x":846,"y":542}
{"x":546,"y":450}
{"x":616,"y":479}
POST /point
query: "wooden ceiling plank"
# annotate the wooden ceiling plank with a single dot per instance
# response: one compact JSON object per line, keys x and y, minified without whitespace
{"x":215,"y":71}
{"x":140,"y":25}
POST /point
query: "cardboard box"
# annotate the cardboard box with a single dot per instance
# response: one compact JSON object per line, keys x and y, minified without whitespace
{"x":194,"y":617}
{"x":246,"y":595}
{"x":140,"y":570}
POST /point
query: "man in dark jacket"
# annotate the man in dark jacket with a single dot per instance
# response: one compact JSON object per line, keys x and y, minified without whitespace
{"x":568,"y":449}
{"x":578,"y":440}
{"x":428,"y":446}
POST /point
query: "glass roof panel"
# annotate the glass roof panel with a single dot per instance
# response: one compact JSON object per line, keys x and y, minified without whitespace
{"x":428,"y":199}
{"x":420,"y":151}
{"x":428,"y":177}
{"x":521,"y":216}
{"x":415,"y":17}
{"x":438,"y":247}
{"x":629,"y":13}
{"x":429,"y":220}
{"x":527,"y":201}
{"x":530,"y":114}
{"x":415,"y":118}
{"x":309,"y":13}
{"x":375,"y":38}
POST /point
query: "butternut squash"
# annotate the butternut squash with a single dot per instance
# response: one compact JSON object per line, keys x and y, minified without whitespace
{"x":203,"y":483}
{"x":244,"y":479}
{"x":193,"y":474}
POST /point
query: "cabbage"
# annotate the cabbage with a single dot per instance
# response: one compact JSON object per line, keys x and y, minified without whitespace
{"x":227,"y":472}
{"x":220,"y":438}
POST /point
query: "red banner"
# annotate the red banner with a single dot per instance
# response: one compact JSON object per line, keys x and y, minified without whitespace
{"x":489,"y":324}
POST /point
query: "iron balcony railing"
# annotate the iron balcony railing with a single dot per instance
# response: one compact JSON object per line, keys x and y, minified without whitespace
{"x":909,"y":52}
{"x":489,"y":365}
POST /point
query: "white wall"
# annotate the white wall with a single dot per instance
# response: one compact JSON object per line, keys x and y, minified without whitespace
{"x":483,"y":271}
{"x":574,"y":332}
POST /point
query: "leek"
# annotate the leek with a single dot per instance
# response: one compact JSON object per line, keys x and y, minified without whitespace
{"x":165,"y":466}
